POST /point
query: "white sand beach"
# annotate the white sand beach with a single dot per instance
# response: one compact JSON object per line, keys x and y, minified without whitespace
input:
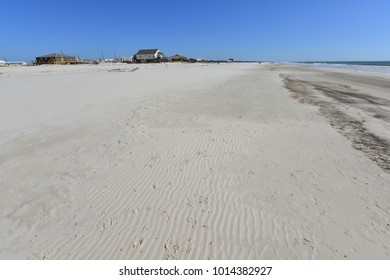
{"x":194,"y":161}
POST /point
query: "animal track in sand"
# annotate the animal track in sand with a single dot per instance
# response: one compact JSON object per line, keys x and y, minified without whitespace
{"x":172,"y":249}
{"x":153,"y":159}
{"x":164,"y":213}
{"x":137,"y":242}
{"x":110,"y":221}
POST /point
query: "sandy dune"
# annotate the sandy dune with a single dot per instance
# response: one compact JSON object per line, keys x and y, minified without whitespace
{"x":176,"y":161}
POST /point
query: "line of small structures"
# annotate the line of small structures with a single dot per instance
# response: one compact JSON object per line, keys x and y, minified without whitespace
{"x":142,"y":56}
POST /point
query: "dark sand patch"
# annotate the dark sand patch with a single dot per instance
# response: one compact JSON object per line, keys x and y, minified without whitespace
{"x":375,"y":147}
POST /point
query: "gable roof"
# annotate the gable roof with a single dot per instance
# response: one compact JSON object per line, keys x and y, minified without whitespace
{"x":147,"y":51}
{"x":178,"y":56}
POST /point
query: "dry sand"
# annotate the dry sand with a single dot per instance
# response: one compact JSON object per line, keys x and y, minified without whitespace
{"x":178,"y":161}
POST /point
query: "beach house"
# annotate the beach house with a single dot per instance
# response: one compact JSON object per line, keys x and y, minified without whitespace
{"x":124,"y":59}
{"x":16,"y":63}
{"x":55,"y":58}
{"x":178,"y":58}
{"x":149,"y":55}
{"x":12,"y":63}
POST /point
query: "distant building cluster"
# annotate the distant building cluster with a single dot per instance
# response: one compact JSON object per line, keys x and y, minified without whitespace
{"x":142,"y":56}
{"x":12,"y":63}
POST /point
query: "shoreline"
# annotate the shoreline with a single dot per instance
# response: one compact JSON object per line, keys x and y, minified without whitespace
{"x":210,"y":162}
{"x":380,"y":67}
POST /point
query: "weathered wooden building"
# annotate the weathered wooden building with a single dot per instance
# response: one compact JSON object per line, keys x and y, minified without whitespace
{"x":178,"y":58}
{"x":55,"y":58}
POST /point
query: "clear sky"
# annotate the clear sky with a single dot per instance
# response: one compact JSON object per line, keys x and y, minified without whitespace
{"x":280,"y":30}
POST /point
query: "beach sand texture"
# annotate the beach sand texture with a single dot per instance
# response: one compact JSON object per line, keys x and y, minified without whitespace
{"x":194,"y":161}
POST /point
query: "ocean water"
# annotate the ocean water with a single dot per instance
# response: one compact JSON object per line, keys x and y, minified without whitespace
{"x":373,"y":66}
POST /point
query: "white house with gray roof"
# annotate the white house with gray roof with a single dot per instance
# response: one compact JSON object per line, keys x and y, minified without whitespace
{"x":148,"y":55}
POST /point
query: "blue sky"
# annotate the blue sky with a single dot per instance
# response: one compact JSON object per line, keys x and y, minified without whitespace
{"x":279,"y":30}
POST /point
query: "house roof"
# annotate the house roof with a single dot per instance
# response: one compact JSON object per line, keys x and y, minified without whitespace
{"x":179,"y":56}
{"x":53,"y":55}
{"x":147,"y":51}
